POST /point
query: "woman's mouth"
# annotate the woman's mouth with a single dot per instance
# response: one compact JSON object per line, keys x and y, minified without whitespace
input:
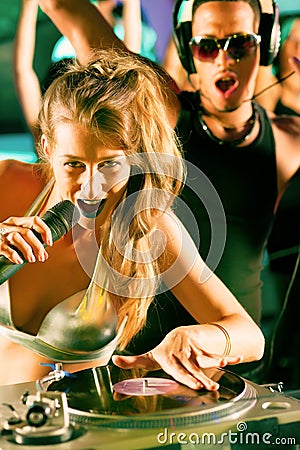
{"x":91,"y":208}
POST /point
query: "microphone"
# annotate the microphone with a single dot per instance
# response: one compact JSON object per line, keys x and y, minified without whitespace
{"x":60,"y":219}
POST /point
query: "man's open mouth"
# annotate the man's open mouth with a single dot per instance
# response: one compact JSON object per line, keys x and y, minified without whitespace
{"x":227,"y":84}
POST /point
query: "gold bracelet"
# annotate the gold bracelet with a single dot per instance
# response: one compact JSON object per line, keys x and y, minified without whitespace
{"x":227,"y":349}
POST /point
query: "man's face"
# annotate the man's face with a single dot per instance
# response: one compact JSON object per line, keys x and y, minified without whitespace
{"x":224,"y":81}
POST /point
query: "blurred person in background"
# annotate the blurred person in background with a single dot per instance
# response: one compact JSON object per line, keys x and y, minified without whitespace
{"x":284,"y":96}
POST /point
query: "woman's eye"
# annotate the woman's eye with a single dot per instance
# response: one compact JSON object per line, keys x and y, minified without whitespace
{"x":109,"y":164}
{"x":73,"y":164}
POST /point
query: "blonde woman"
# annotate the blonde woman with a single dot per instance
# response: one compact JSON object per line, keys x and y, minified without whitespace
{"x":106,"y":146}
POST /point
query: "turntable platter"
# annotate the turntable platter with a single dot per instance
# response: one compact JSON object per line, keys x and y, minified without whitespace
{"x":110,"y":397}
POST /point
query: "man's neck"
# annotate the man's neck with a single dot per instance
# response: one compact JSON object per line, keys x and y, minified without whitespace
{"x":240,"y":126}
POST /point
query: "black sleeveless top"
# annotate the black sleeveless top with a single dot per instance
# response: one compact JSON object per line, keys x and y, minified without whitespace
{"x":281,"y":109}
{"x":284,"y":238}
{"x":245,"y":180}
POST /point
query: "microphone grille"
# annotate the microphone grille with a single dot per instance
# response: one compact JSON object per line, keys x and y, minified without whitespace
{"x":62,"y":217}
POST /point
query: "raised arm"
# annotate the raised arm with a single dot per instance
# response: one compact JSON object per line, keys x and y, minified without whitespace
{"x":132,"y":25}
{"x":26,"y":80}
{"x":82,"y":24}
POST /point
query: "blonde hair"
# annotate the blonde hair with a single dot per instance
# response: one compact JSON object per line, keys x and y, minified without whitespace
{"x":123,"y":101}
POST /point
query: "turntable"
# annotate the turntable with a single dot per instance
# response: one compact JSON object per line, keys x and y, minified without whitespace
{"x":109,"y":408}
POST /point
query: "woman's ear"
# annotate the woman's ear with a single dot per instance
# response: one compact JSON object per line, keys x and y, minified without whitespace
{"x":45,"y":146}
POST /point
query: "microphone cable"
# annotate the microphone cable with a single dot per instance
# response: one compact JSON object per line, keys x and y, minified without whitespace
{"x":281,"y":80}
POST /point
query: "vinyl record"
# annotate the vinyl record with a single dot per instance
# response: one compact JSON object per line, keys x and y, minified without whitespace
{"x":112,"y":397}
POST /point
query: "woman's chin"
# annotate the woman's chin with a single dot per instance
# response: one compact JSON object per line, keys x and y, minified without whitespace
{"x":87,"y":223}
{"x":91,"y":222}
{"x":89,"y":215}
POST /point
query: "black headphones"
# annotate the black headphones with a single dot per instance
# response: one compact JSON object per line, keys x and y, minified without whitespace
{"x":269,"y":30}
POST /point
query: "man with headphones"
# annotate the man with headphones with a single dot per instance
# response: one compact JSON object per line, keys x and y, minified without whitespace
{"x":247,"y":155}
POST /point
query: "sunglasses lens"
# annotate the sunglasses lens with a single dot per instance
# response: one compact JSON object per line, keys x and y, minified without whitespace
{"x":237,"y":46}
{"x":205,"y":49}
{"x":241,"y":46}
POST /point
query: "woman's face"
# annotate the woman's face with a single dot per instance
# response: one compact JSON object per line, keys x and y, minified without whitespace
{"x":90,"y":175}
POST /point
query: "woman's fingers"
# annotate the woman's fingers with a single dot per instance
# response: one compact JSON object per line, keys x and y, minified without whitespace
{"x":34,"y":223}
{"x":190,"y":374}
{"x":146,"y":362}
{"x":26,"y":243}
{"x":24,"y":239}
{"x":186,"y":372}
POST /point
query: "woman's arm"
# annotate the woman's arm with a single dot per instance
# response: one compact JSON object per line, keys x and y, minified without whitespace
{"x":205,"y":296}
{"x":82,"y":24}
{"x":132,"y":25}
{"x":26,"y":80}
{"x":226,"y":334}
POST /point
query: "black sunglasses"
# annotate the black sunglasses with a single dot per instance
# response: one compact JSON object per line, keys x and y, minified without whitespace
{"x":237,"y":46}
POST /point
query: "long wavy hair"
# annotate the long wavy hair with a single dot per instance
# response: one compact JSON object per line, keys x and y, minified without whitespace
{"x":123,"y":101}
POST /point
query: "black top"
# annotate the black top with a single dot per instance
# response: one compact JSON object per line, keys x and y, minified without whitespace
{"x":281,"y":109}
{"x":245,"y":179}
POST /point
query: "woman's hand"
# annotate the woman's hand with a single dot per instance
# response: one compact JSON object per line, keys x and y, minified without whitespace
{"x":19,"y":236}
{"x":181,"y":354}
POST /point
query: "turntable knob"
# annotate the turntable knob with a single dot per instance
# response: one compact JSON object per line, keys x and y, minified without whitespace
{"x":38,"y":414}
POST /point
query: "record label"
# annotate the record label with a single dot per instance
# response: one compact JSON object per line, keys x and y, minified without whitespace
{"x":145,"y":386}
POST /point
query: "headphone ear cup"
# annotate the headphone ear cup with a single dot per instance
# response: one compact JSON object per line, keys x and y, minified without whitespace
{"x":182,"y":37}
{"x":182,"y":34}
{"x":269,"y":30}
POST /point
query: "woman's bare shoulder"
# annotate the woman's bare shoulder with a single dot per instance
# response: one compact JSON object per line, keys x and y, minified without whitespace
{"x":13,"y":166}
{"x":21,"y":183}
{"x":173,"y":231}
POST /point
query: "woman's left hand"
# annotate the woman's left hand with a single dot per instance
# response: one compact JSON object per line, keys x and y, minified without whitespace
{"x":181,"y":355}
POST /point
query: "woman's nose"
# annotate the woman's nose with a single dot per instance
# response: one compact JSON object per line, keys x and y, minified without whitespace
{"x":92,"y":185}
